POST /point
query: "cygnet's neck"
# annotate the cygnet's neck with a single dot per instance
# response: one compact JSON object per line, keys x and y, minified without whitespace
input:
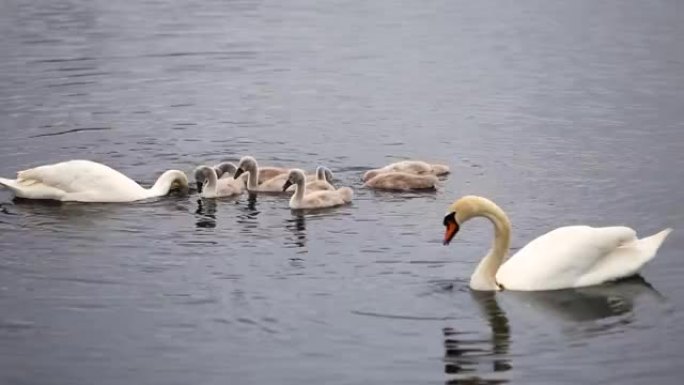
{"x":253,"y":177}
{"x":212,"y":182}
{"x":300,"y":190}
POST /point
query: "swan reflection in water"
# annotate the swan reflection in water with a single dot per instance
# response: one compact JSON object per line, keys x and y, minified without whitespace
{"x":464,"y":355}
{"x":206,"y":212}
{"x":297,"y":226}
{"x":472,"y":360}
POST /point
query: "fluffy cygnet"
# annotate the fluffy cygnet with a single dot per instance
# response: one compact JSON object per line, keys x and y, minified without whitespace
{"x":301,"y":199}
{"x":402,"y":181}
{"x":411,"y":167}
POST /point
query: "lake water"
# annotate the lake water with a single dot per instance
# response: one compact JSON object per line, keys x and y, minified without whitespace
{"x":563,"y":112}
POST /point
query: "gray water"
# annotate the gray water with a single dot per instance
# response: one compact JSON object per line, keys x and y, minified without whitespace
{"x":563,"y":112}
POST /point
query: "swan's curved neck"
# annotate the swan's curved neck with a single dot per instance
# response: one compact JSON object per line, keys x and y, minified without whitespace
{"x":163,"y":185}
{"x":484,"y":277}
{"x":300,"y":189}
{"x":253,"y":177}
{"x":212,"y":181}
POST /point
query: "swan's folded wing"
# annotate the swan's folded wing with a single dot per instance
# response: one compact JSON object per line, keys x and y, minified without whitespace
{"x":76,"y":176}
{"x":322,"y":199}
{"x":230,"y":186}
{"x":59,"y":176}
{"x":559,"y":258}
{"x":625,"y":260}
{"x":275,"y":182}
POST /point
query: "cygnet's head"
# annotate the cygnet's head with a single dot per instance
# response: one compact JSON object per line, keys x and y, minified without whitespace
{"x":324,"y":173}
{"x":225,"y":168}
{"x":202,"y":174}
{"x":247,"y":163}
{"x":296,"y":176}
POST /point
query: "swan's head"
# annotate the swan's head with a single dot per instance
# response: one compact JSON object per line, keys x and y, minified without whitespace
{"x":202,"y":175}
{"x":370,"y":174}
{"x":247,"y":164}
{"x":180,"y":181}
{"x":225,"y":168}
{"x":324,"y":173}
{"x":295,"y":176}
{"x":461,"y":211}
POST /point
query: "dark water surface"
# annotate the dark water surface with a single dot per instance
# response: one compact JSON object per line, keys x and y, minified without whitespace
{"x":563,"y":112}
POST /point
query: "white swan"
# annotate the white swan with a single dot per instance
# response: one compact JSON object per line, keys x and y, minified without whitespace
{"x":409,"y":166}
{"x":567,"y":257}
{"x":320,"y":181}
{"x":87,"y":181}
{"x":402,"y":181}
{"x":212,"y":184}
{"x":316,"y":199}
{"x":249,"y":165}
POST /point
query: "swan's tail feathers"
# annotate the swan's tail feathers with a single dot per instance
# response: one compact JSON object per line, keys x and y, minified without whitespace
{"x":651,"y":244}
{"x":346,"y":193}
{"x":26,"y":174}
{"x":8,"y":183}
{"x":440,"y":169}
{"x":16,"y":185}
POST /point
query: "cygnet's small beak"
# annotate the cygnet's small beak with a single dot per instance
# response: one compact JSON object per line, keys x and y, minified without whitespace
{"x":238,"y":172}
{"x":287,"y":185}
{"x":451,"y":228}
{"x":199,"y":187}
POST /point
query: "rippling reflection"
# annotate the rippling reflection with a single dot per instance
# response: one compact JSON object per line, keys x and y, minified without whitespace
{"x":464,"y":356}
{"x":251,"y":201}
{"x":587,"y":306}
{"x":206,"y":212}
{"x":297,"y":226}
{"x":248,"y":220}
{"x":468,"y":357}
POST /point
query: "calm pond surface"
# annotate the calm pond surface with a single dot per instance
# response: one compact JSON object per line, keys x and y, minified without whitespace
{"x":563,"y":112}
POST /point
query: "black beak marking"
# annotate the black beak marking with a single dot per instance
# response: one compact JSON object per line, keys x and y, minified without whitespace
{"x":238,"y":172}
{"x":287,"y":184}
{"x":452,"y":227}
{"x":199,"y":187}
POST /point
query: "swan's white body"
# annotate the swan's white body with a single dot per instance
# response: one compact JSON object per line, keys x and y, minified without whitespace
{"x":402,"y":181}
{"x":578,"y":256}
{"x":87,"y":181}
{"x":410,"y":167}
{"x":214,"y":187}
{"x":301,"y":199}
{"x":567,"y":257}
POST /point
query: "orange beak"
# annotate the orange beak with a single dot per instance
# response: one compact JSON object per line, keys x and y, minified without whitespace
{"x":451,"y":228}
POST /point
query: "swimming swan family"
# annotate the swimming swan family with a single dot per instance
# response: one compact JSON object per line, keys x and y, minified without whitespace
{"x":567,"y":257}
